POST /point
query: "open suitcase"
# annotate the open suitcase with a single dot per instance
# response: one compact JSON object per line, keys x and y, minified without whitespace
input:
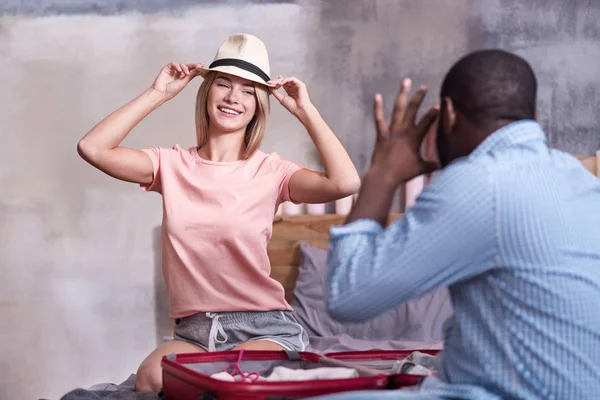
{"x":188,"y":376}
{"x":383,"y":360}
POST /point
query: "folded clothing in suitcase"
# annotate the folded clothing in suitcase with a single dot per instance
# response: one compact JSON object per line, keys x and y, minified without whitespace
{"x":257,"y":375}
{"x":404,"y":367}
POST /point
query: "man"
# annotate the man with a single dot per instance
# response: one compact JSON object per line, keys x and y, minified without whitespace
{"x":509,"y":225}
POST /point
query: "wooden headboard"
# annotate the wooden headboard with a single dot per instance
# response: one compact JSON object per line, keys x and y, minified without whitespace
{"x":591,"y":163}
{"x":288,"y":232}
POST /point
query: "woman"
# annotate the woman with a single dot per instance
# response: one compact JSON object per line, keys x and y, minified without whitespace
{"x":219,"y":199}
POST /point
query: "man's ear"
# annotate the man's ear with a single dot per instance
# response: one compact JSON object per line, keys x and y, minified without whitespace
{"x":536,"y":115}
{"x":448,"y":116}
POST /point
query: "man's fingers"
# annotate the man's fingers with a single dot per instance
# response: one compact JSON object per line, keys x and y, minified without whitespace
{"x":413,"y":107}
{"x":428,"y":150}
{"x":400,"y":105}
{"x":380,"y":124}
{"x":426,"y":122}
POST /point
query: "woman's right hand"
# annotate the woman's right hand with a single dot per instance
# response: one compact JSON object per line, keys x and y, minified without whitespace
{"x":174,"y":77}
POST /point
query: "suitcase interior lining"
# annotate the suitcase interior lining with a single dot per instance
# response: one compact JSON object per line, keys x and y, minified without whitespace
{"x":262,"y":367}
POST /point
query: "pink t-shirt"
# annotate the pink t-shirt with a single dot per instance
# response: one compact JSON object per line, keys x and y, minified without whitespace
{"x":217,"y":220}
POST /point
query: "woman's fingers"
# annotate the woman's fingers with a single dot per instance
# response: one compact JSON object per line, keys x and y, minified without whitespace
{"x":185,"y":69}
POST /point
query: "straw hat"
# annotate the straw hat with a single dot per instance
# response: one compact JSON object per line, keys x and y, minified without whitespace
{"x":242,"y":55}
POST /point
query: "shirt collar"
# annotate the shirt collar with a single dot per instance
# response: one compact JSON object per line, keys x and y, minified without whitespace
{"x":514,"y":133}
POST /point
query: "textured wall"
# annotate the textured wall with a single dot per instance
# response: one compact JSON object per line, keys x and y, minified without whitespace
{"x":561,"y":39}
{"x":81,"y":296}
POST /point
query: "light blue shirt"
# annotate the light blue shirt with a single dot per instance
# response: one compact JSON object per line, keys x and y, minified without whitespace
{"x":513,"y":230}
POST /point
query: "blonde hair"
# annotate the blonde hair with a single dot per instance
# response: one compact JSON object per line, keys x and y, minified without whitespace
{"x":255,"y":131}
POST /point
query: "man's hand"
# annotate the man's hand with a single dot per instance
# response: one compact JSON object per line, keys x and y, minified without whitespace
{"x":396,"y":157}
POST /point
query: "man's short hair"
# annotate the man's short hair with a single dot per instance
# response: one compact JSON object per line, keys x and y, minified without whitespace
{"x":492,"y":85}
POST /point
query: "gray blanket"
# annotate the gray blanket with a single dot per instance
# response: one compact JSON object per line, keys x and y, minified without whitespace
{"x":110,"y":391}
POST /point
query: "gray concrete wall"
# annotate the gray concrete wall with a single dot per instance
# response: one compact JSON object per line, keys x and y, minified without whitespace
{"x":561,"y":39}
{"x":81,"y":296}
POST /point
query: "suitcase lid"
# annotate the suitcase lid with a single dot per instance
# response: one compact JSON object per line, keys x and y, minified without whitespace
{"x":397,"y":380}
{"x":377,"y":354}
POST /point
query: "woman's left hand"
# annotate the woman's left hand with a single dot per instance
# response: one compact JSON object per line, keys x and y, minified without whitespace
{"x":296,"y":98}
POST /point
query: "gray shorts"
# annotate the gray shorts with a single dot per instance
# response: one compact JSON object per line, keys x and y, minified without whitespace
{"x":222,"y":331}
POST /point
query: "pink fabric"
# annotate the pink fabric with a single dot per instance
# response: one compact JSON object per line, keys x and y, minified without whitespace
{"x":238,"y":374}
{"x":217,"y":220}
{"x":413,"y":189}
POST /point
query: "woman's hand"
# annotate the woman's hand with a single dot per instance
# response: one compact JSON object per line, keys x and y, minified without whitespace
{"x":296,"y":99}
{"x":174,"y":77}
{"x":339,"y":178}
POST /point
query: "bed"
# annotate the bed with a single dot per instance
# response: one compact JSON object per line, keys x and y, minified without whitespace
{"x":284,"y":248}
{"x":297,"y":253}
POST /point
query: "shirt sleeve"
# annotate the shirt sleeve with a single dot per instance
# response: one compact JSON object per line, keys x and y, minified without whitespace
{"x":449,"y":235}
{"x":283,"y":170}
{"x":155,"y":186}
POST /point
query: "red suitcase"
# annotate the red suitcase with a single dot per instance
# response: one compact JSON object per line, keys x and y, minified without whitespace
{"x":383,"y":360}
{"x":187,"y":376}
